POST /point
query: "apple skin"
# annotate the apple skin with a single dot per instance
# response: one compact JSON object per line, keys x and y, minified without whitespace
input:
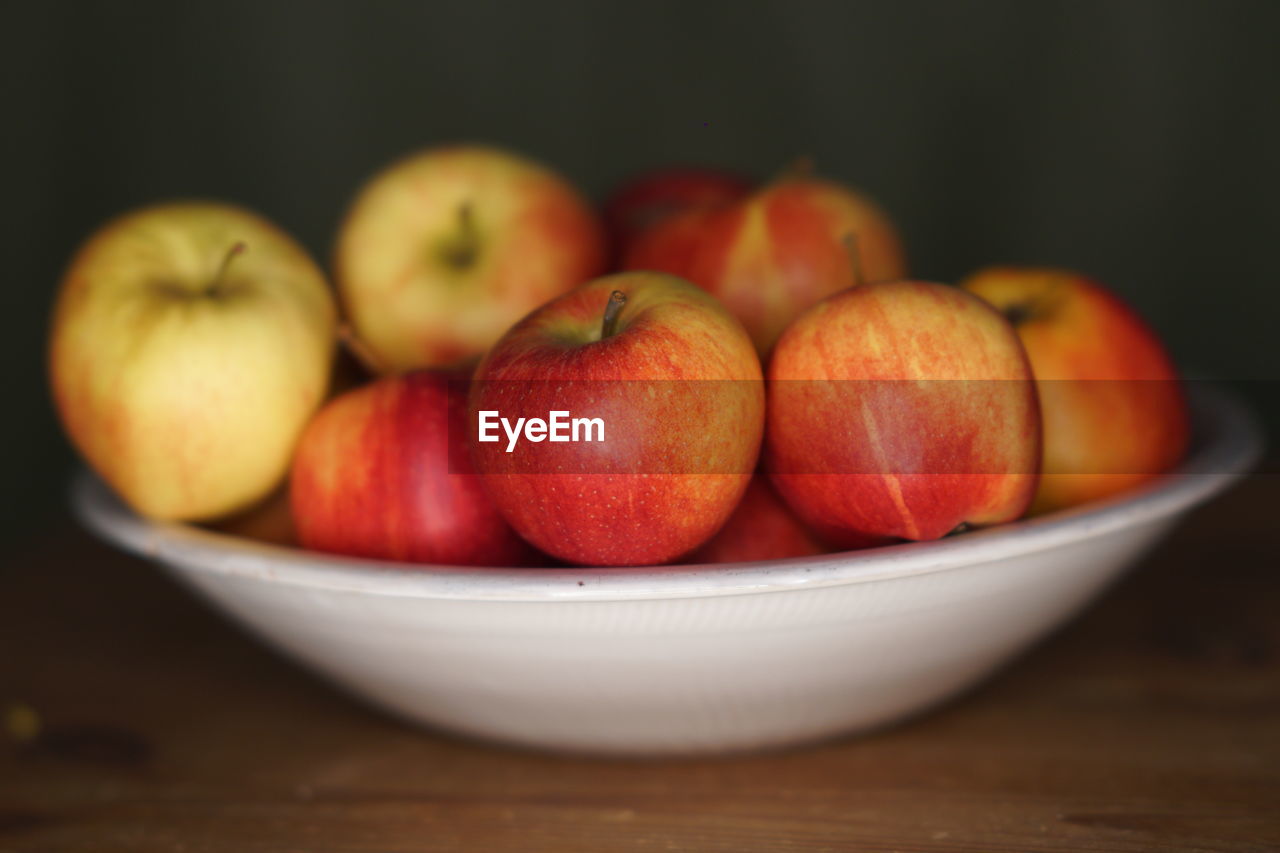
{"x":650,"y":197}
{"x":183,"y":383}
{"x":773,"y":254}
{"x":1115,"y":414}
{"x":680,"y":390}
{"x":383,"y":472}
{"x":761,"y":528}
{"x":866,"y":438}
{"x":441,"y":252}
{"x":270,"y":521}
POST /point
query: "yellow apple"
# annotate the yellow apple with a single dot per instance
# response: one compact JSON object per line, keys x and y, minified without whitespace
{"x":442,"y":252}
{"x":191,"y":342}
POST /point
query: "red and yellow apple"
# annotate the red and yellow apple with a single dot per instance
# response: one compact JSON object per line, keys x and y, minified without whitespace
{"x":383,"y":472}
{"x":190,"y":344}
{"x":771,"y":255}
{"x":761,"y":528}
{"x":676,"y":385}
{"x":1113,"y":408}
{"x":901,"y":410}
{"x":443,"y":251}
{"x":653,"y":196}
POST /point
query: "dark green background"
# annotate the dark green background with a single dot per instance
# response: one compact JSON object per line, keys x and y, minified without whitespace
{"x":1134,"y":140}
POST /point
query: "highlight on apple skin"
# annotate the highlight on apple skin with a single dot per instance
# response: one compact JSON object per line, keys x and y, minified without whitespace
{"x":901,"y":410}
{"x":678,"y":385}
{"x":773,"y":254}
{"x":1114,"y":410}
{"x":441,"y":252}
{"x":191,"y":342}
{"x":383,"y":472}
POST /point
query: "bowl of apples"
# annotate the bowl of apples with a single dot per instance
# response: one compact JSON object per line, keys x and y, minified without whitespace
{"x":751,"y":487}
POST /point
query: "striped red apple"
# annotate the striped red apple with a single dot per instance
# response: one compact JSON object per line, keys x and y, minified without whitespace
{"x":383,"y":472}
{"x":649,"y":198}
{"x":902,"y":410}
{"x":677,"y":386}
{"x":774,"y":253}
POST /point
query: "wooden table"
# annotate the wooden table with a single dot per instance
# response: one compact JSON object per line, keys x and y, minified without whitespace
{"x":137,"y":719}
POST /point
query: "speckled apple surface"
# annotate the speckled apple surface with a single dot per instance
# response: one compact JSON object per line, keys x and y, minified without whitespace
{"x":686,"y":659}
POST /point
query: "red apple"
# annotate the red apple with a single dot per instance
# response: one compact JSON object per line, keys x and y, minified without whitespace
{"x":191,"y":343}
{"x":443,"y":251}
{"x":761,"y":528}
{"x":774,"y":253}
{"x":651,"y":197}
{"x":902,"y":410}
{"x":1113,"y":407}
{"x":383,"y":472}
{"x":676,"y":386}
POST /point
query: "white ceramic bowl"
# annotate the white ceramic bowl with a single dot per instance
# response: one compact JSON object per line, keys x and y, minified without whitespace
{"x":686,"y":659}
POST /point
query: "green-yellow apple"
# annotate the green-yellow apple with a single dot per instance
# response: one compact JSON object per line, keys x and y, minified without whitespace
{"x":443,"y":251}
{"x":668,"y":391}
{"x":383,"y":472}
{"x":1114,"y":411}
{"x":774,"y":253}
{"x":901,"y":410}
{"x":190,"y":344}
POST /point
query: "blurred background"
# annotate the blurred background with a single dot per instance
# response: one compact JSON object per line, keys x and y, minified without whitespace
{"x":1136,"y":141}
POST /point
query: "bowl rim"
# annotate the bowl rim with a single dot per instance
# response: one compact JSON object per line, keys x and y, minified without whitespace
{"x":1227,"y":444}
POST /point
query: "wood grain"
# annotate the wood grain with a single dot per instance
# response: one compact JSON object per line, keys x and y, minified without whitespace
{"x":1151,"y":723}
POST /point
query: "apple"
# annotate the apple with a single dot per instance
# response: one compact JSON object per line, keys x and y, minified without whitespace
{"x":1114,"y":410}
{"x":269,"y":521}
{"x":653,"y":196}
{"x":901,"y":410}
{"x":677,"y":389}
{"x":190,"y":344}
{"x":761,"y":528}
{"x":383,"y":472}
{"x":771,"y":255}
{"x":443,"y":251}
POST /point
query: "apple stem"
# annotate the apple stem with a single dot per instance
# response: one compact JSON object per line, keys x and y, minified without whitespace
{"x":461,"y":250}
{"x":611,"y":311}
{"x":237,"y":249}
{"x":1018,"y":313}
{"x":850,"y":241}
{"x":360,"y":351}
